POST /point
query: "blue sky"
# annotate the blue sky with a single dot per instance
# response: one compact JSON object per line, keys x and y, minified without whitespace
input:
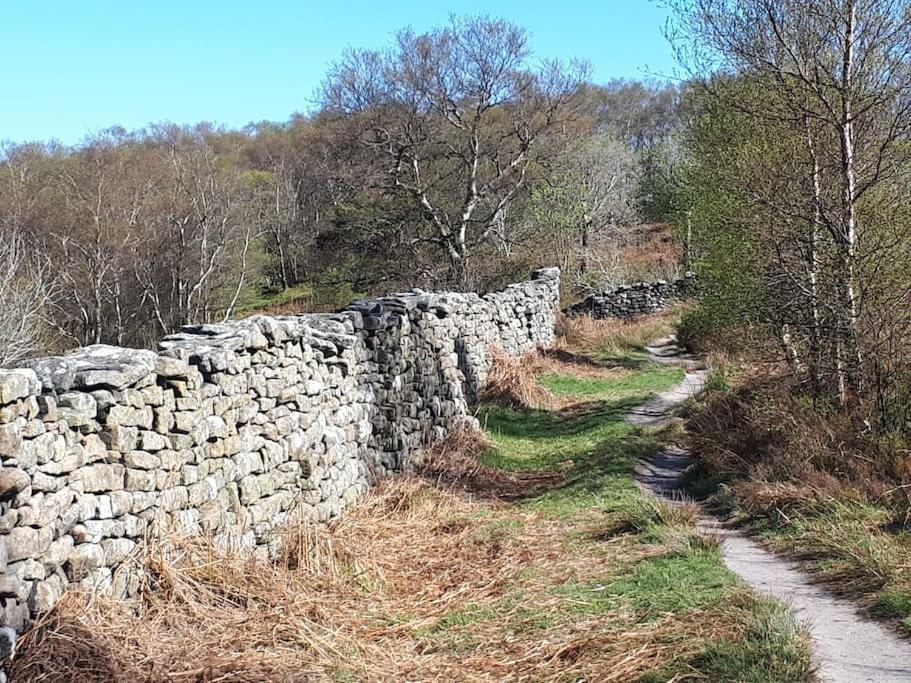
{"x":74,"y":67}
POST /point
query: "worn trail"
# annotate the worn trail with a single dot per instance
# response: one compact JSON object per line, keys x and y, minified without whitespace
{"x":847,"y":647}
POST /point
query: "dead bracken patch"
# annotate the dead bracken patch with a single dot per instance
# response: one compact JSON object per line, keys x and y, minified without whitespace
{"x":615,"y":334}
{"x":513,"y":381}
{"x":363,"y":597}
{"x":453,"y":462}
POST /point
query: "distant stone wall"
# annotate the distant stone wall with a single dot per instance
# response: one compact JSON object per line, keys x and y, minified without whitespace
{"x":640,"y":298}
{"x":229,"y":429}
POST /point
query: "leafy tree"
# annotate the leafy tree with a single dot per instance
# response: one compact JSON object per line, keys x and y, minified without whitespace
{"x":832,"y":104}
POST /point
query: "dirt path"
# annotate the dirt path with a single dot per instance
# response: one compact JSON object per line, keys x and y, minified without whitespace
{"x":847,"y":647}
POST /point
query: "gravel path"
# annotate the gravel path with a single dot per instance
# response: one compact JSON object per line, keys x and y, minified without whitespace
{"x":847,"y":647}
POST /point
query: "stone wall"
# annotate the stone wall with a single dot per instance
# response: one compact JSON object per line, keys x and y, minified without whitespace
{"x":641,"y":298}
{"x":229,"y":429}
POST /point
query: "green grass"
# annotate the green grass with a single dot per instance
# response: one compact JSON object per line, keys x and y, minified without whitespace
{"x":266,"y":298}
{"x":464,"y":617}
{"x":894,"y":603}
{"x":855,"y":546}
{"x":596,"y":450}
{"x":590,"y":442}
{"x":675,"y":583}
{"x":315,"y":297}
{"x":650,"y":379}
{"x":658,"y":585}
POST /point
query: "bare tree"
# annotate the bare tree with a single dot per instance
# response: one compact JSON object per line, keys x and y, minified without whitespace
{"x":199,"y":237}
{"x":591,"y":199}
{"x":102,"y":193}
{"x":604,"y":175}
{"x":459,"y":119}
{"x":26,"y":293}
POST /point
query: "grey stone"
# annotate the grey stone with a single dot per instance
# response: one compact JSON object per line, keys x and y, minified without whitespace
{"x":84,"y":558}
{"x":110,"y":366}
{"x":116,"y":550}
{"x":120,"y":438}
{"x":77,"y":408}
{"x":141,"y":460}
{"x":54,"y":373}
{"x":127,"y":416}
{"x":17,"y":384}
{"x":11,"y":437}
{"x":153,"y":442}
{"x":45,"y":594}
{"x":13,"y":587}
{"x":58,"y":552}
{"x":25,"y":542}
{"x":100,"y":477}
{"x":12,"y":481}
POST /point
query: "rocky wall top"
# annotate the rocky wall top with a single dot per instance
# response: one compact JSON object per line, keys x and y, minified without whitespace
{"x":640,"y":298}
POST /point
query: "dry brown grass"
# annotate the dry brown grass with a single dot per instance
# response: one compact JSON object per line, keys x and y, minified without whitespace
{"x":765,"y":431}
{"x":211,"y":618}
{"x":422,"y":554}
{"x":513,"y":381}
{"x":615,"y":335}
{"x":368,"y":597}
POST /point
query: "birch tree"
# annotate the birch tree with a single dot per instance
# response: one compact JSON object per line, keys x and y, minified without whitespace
{"x":838,"y":72}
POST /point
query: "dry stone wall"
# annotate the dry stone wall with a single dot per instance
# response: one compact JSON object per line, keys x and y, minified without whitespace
{"x":641,"y":298}
{"x":228,"y":429}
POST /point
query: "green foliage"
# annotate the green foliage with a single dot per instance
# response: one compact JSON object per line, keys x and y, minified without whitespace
{"x":660,"y":185}
{"x":722,"y":146}
{"x":300,"y":298}
{"x":463,"y":617}
{"x":651,"y":379}
{"x":592,"y":442}
{"x":893,"y":603}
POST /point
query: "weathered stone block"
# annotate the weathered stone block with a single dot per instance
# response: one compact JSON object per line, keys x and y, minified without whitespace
{"x":84,"y":558}
{"x":100,"y":477}
{"x":12,"y":481}
{"x":17,"y":384}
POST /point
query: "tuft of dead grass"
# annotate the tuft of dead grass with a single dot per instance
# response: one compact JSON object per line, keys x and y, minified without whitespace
{"x":614,"y":335}
{"x":204,"y":616}
{"x":513,"y":381}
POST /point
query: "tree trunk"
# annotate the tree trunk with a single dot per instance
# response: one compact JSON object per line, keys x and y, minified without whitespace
{"x":688,"y":243}
{"x":790,"y":351}
{"x":583,"y":258}
{"x":813,"y":267}
{"x":460,"y":274}
{"x":848,"y":247}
